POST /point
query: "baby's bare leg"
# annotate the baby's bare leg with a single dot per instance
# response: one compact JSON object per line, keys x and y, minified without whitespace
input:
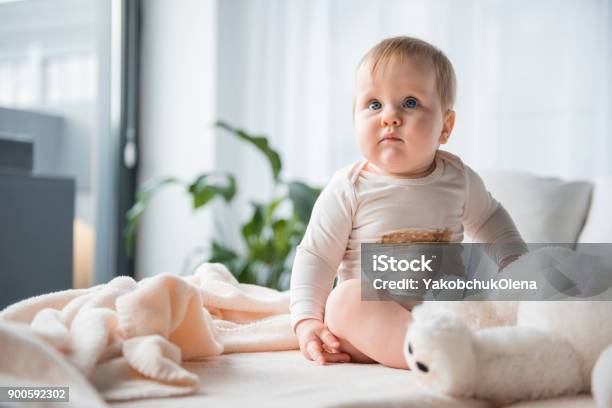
{"x":370,"y":331}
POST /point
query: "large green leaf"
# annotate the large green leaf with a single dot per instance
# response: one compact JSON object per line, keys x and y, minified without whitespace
{"x":282,"y":232}
{"x":261,"y":143}
{"x":220,"y":253}
{"x":146,"y":191}
{"x":271,"y":208}
{"x":252,"y":230}
{"x":133,"y":215}
{"x":207,"y":186}
{"x":238,"y":265}
{"x":303,"y":198}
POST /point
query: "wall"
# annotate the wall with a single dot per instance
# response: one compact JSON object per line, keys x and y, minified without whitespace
{"x":177,"y":92}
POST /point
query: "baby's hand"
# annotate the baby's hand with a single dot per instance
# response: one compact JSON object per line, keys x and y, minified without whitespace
{"x":313,"y":336}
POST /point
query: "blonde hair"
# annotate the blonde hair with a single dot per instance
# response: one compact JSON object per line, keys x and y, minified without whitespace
{"x":404,"y":47}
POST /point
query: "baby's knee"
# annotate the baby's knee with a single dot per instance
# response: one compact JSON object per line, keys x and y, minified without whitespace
{"x":341,"y":304}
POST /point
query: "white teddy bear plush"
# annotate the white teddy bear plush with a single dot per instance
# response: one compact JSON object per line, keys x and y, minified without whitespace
{"x":509,"y":351}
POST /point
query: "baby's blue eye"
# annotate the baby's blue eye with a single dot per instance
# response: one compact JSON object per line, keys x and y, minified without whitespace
{"x":410,"y":103}
{"x":374,"y":105}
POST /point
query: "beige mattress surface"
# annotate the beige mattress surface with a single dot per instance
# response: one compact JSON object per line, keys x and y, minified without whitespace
{"x":286,"y":379}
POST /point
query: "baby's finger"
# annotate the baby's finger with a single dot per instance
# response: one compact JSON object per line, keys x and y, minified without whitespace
{"x":315,"y":351}
{"x":329,"y":339}
{"x":327,"y":349}
{"x":336,"y":357}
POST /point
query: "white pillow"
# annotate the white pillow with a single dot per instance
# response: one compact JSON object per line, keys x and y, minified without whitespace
{"x":545,"y":210}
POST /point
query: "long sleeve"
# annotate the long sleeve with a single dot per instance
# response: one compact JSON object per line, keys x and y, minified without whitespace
{"x":487,"y":221}
{"x":321,"y":250}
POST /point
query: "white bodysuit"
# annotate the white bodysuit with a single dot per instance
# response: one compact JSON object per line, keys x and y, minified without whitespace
{"x":358,"y":206}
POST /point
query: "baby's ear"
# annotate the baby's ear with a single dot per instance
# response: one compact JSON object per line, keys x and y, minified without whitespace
{"x":447,"y":127}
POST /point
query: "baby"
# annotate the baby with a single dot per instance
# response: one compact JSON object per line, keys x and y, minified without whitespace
{"x":405,"y":188}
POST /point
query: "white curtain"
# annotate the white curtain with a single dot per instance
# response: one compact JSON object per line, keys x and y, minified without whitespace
{"x":534,"y":83}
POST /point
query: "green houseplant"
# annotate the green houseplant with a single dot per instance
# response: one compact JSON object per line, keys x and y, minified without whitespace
{"x":270,"y":236}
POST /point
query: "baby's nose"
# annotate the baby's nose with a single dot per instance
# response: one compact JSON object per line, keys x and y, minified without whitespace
{"x":390,"y":118}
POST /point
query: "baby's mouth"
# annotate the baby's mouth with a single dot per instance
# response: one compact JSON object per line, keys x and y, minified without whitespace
{"x":390,"y":137}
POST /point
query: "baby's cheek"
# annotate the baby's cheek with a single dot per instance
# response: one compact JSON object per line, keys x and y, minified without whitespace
{"x":423,"y":143}
{"x":366,"y":145}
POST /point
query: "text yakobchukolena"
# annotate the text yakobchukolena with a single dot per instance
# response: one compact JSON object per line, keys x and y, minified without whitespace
{"x":406,"y":273}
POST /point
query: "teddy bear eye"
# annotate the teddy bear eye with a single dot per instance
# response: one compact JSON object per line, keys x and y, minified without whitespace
{"x":422,"y":367}
{"x":409,"y":348}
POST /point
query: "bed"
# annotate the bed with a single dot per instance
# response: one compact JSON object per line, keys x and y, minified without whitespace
{"x":286,"y":378}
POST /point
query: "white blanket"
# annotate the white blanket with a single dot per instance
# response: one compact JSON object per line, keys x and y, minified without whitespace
{"x":129,"y":338}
